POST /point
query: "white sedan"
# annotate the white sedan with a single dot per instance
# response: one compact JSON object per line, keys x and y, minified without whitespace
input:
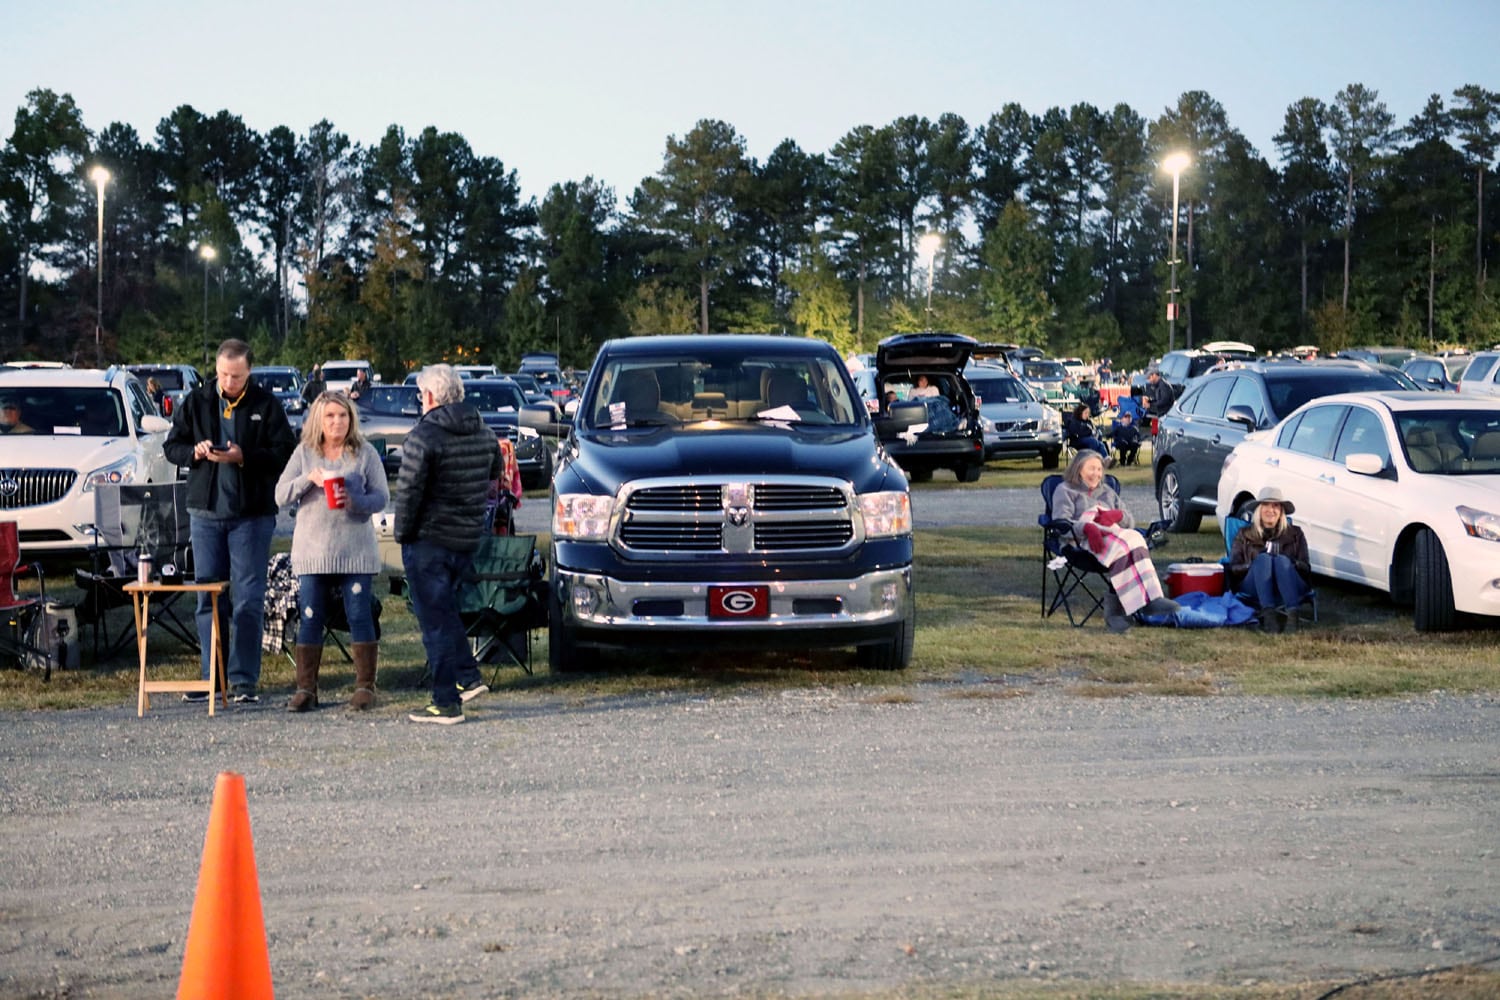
{"x":1399,"y":491}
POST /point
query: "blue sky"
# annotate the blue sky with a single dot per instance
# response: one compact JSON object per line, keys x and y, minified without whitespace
{"x":560,"y":90}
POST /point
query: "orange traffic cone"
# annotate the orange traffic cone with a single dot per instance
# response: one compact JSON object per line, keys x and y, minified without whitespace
{"x":226,"y":956}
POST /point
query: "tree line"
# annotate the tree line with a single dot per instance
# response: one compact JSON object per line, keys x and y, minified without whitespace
{"x":1050,"y":229}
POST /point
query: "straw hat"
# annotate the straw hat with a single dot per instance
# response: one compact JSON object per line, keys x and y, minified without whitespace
{"x":1273,"y":494}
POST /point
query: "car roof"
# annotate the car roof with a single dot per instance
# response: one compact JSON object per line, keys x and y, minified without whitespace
{"x":66,"y":378}
{"x":689,"y":345}
{"x":1398,"y":400}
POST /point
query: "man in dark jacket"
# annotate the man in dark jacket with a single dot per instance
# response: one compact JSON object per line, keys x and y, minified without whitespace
{"x":448,"y":462}
{"x":1158,"y":396}
{"x":234,"y":438}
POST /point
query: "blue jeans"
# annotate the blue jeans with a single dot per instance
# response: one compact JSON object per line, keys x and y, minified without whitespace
{"x":314,"y":589}
{"x":433,"y":574}
{"x":234,"y":549}
{"x":1274,"y":582}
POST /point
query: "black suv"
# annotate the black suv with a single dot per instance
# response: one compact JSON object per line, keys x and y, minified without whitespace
{"x":728,"y":492}
{"x":1218,"y":410}
{"x":931,"y":426}
{"x":1178,"y":368}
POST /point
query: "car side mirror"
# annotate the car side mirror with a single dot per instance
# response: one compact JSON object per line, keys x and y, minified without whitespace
{"x":536,"y":415}
{"x":1364,"y":464}
{"x":1241,"y":415}
{"x":152,"y":424}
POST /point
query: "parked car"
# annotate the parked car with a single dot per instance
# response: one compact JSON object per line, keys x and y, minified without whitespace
{"x":338,"y":376}
{"x":1014,"y":420}
{"x":476,"y":371}
{"x":1050,"y":381}
{"x":1436,"y":374}
{"x":1399,"y":491}
{"x":1178,"y":368}
{"x":535,"y":392}
{"x":1380,"y":355}
{"x":287,"y":384}
{"x":176,"y":382}
{"x":87,"y":428}
{"x":940,"y":431}
{"x":1481,"y":376}
{"x":1219,"y":409}
{"x":503,"y":406}
{"x":727,"y":492}
{"x":387,"y":413}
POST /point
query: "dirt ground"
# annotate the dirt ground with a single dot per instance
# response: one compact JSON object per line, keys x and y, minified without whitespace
{"x":791,"y":843}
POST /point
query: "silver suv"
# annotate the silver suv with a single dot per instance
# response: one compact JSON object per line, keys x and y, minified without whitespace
{"x":1482,"y":377}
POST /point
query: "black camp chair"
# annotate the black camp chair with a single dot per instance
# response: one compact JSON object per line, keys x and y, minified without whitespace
{"x":130,"y":521}
{"x":1080,"y":582}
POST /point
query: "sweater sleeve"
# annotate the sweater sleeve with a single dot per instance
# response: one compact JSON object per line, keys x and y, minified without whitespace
{"x":368,"y":492}
{"x":293,"y":484}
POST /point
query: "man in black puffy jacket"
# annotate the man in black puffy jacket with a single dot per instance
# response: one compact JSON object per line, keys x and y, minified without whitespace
{"x":447,"y":464}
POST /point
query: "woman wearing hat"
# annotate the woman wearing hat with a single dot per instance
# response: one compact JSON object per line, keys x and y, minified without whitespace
{"x":1269,"y":562}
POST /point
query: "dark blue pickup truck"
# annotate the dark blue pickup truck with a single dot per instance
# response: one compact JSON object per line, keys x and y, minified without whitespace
{"x":727,"y":491}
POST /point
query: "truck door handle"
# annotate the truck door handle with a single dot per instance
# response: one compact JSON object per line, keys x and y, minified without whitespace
{"x":1324,"y":478}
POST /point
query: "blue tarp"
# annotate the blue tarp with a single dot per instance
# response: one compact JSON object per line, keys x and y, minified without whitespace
{"x":1199,"y":610}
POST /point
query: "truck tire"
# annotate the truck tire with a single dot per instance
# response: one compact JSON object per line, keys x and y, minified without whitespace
{"x":968,"y":473}
{"x":562,"y":649}
{"x":1432,"y":585}
{"x":1051,"y":458}
{"x":895,"y":652}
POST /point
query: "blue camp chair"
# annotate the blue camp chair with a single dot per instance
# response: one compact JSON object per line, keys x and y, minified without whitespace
{"x":1232,"y":527}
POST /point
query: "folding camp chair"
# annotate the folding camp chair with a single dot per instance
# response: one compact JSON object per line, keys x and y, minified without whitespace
{"x":130,"y":521}
{"x":283,"y":611}
{"x":1072,"y":577}
{"x":504,"y":600}
{"x":1232,"y":527}
{"x":22,"y":618}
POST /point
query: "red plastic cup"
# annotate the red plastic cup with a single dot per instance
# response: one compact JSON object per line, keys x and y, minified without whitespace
{"x":333,"y":488}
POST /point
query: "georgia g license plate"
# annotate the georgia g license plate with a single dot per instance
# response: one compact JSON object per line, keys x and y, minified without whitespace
{"x":739,"y":602}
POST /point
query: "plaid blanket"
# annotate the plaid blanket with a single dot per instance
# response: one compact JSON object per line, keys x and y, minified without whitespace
{"x":280,"y":603}
{"x":1123,"y":553}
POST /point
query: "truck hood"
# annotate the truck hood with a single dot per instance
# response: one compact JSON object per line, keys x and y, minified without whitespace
{"x":736,"y":450}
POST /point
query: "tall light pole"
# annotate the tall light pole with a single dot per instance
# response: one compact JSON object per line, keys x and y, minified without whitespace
{"x":100,"y":177}
{"x":1176,"y":164}
{"x":928,"y":247}
{"x":207,"y":253}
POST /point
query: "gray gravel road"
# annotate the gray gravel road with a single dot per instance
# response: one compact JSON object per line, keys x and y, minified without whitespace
{"x":805,"y":842}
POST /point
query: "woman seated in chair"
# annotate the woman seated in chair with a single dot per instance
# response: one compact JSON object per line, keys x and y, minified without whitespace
{"x":1105,"y":527}
{"x":1079,"y":427}
{"x":1269,"y":564}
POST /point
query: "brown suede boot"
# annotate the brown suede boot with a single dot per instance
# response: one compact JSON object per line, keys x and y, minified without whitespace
{"x":308,"y":659}
{"x":364,"y":675}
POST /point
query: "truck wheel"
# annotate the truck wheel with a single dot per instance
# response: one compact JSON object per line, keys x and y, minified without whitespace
{"x":968,"y":473}
{"x":562,"y":649}
{"x":895,"y":652}
{"x":1050,"y":459}
{"x":1434,"y":611}
{"x":1173,"y":508}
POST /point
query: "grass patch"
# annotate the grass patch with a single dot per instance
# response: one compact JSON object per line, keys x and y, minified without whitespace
{"x":980,"y":634}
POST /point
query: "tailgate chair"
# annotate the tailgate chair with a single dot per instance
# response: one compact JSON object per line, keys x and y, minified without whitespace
{"x":283,"y":611}
{"x":1073,"y":579}
{"x":504,"y":600}
{"x":21,"y":642}
{"x":1232,"y":527}
{"x":130,"y":521}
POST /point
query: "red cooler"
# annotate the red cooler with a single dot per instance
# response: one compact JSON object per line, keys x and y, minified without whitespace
{"x":1184,"y":578}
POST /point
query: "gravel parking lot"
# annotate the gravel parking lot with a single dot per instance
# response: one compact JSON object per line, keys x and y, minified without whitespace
{"x":798,"y":842}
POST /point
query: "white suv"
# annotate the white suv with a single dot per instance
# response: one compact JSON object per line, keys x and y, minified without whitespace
{"x":81,"y":428}
{"x":1482,"y":377}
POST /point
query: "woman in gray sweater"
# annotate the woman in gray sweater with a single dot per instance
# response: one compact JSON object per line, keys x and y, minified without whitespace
{"x":334,"y":482}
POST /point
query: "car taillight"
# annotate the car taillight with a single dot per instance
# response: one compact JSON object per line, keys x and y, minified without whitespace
{"x":166,"y":406}
{"x":1154,"y":422}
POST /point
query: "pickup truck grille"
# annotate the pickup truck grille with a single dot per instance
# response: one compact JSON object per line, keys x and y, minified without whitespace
{"x":738,"y":517}
{"x":33,"y":487}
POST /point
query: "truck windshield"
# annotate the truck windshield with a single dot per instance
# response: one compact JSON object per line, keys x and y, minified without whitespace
{"x":646,"y":392}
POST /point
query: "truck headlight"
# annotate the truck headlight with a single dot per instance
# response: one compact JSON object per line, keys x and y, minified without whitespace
{"x":1479,"y":523}
{"x":583,"y":517}
{"x":121,"y":473}
{"x":885,"y":514}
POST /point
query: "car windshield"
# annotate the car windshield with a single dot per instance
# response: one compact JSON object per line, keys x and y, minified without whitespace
{"x":277,"y":381}
{"x":1451,"y":442}
{"x":76,"y":412}
{"x":341,"y":373}
{"x":1289,"y":393}
{"x":998,"y":389}
{"x":391,"y":401}
{"x":1044,"y":369}
{"x":169,"y":379}
{"x":643,"y":391}
{"x":494,"y":397}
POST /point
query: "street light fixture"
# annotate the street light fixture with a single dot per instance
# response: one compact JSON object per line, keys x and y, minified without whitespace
{"x":928,"y":247}
{"x":1175,"y":164}
{"x":100,"y":176}
{"x":208,"y":253}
